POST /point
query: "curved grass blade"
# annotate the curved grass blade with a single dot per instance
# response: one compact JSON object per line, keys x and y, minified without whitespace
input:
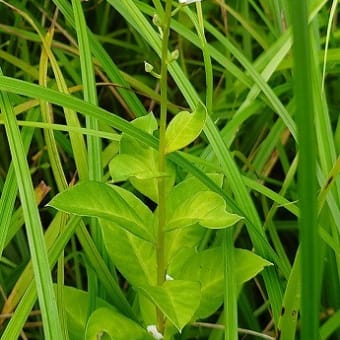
{"x":52,"y":328}
{"x":10,"y":188}
{"x":32,"y":90}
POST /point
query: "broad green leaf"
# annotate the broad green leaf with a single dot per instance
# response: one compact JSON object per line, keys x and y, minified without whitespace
{"x":143,"y":163}
{"x":139,"y":163}
{"x":122,"y":167}
{"x":147,"y":123}
{"x":251,"y":264}
{"x":177,"y":299}
{"x":105,"y":321}
{"x":185,"y":190}
{"x":207,"y":268}
{"x":188,"y":188}
{"x":133,"y":257}
{"x":178,"y":239}
{"x":184,"y":128}
{"x":140,"y":166}
{"x":76,"y":306}
{"x":130,"y":145}
{"x":186,"y":237}
{"x":109,"y":202}
{"x":149,"y":187}
{"x":206,"y":208}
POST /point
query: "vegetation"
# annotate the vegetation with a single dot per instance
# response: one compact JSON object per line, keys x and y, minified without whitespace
{"x":169,"y":170}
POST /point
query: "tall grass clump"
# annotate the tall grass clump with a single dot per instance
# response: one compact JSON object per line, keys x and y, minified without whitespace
{"x":169,"y":170}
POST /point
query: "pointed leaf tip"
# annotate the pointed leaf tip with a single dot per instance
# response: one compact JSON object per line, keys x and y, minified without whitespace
{"x":177,"y":299}
{"x":184,"y":128}
{"x":95,"y":199}
{"x":206,"y":208}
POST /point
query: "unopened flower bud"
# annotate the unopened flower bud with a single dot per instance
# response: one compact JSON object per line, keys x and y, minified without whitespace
{"x":187,"y":2}
{"x":174,"y":55}
{"x":148,"y":67}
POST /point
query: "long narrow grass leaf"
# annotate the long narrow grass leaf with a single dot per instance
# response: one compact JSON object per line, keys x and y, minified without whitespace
{"x":306,"y":172}
{"x":34,"y":229}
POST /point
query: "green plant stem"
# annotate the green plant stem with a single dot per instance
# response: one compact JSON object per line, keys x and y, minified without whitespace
{"x":161,"y":183}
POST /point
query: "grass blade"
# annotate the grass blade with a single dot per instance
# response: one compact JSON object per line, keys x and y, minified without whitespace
{"x":129,"y":10}
{"x":309,"y":237}
{"x":57,"y":242}
{"x":10,"y":189}
{"x":93,"y":143}
{"x":52,"y":328}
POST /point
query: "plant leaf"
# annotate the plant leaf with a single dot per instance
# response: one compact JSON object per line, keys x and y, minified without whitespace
{"x":206,"y":208}
{"x":139,"y":163}
{"x":118,"y":327}
{"x":187,"y":189}
{"x":75,"y":302}
{"x":109,"y":202}
{"x":207,"y":268}
{"x":123,"y":166}
{"x":252,"y":264}
{"x":177,"y":239}
{"x":130,"y":145}
{"x":147,"y":123}
{"x":177,"y":299}
{"x":184,"y":128}
{"x":134,"y":258}
{"x":140,"y":167}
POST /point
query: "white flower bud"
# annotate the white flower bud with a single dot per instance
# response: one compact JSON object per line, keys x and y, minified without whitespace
{"x":156,"y":20}
{"x":148,"y":67}
{"x":187,"y":2}
{"x":168,"y":277}
{"x":152,"y":329}
{"x":174,"y":55}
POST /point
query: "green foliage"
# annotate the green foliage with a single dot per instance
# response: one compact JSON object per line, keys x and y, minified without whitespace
{"x":184,"y":128}
{"x":206,"y":208}
{"x":127,"y":224}
{"x":177,"y":299}
{"x":139,"y":163}
{"x":109,"y":202}
{"x":76,"y":307}
{"x":207,"y":268}
{"x":108,"y":324}
{"x":135,"y":258}
{"x":202,"y":202}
